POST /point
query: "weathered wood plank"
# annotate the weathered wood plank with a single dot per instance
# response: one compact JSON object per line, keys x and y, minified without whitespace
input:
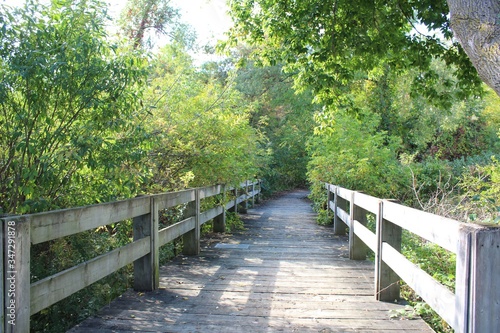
{"x":331,"y":205}
{"x":436,"y":295}
{"x":339,"y":227}
{"x":169,"y":301}
{"x":60,"y":223}
{"x":367,"y":202}
{"x":178,"y":229}
{"x":434,"y":228}
{"x":357,"y":248}
{"x":191,"y":239}
{"x":387,"y":287}
{"x":463,"y":278}
{"x":185,"y":322}
{"x":248,"y":183}
{"x":219,"y":223}
{"x":229,"y":205}
{"x":344,"y":216}
{"x":171,"y":199}
{"x":146,"y":268}
{"x":344,"y":193}
{"x":209,"y":191}
{"x":59,"y":286}
{"x":242,"y":198}
{"x":366,"y":235}
{"x":485,"y":293}
{"x":210,"y":214}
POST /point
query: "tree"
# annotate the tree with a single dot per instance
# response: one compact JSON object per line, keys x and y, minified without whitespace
{"x":330,"y":43}
{"x":476,"y":25}
{"x":68,"y":108}
{"x":200,"y":125}
{"x":286,"y":119}
{"x":142,"y":17}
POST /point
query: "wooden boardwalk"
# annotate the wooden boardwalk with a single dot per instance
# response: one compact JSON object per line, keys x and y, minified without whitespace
{"x":284,"y":273}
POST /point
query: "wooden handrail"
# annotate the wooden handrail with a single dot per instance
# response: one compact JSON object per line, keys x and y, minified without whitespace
{"x":21,"y":298}
{"x":475,"y":305}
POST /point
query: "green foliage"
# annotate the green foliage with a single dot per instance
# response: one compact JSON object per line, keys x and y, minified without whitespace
{"x":329,"y":43}
{"x":83,"y":120}
{"x":353,"y":154}
{"x":200,"y":126}
{"x":284,"y":117}
{"x":382,"y":138}
{"x":447,"y":128}
{"x":481,"y":190}
{"x":324,"y":217}
{"x":233,"y":222}
{"x":68,"y":108}
{"x":430,"y":179}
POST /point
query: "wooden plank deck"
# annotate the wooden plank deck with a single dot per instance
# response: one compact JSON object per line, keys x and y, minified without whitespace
{"x":283,"y":274}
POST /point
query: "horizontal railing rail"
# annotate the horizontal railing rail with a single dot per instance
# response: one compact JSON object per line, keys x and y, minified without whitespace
{"x":21,"y":298}
{"x":474,"y":306}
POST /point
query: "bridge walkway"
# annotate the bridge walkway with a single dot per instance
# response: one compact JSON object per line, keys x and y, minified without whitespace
{"x":284,"y":273}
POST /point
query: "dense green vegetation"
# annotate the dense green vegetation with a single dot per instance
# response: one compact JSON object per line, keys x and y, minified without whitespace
{"x":300,"y":99}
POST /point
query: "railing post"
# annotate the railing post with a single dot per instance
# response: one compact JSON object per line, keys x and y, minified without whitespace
{"x":259,"y":185}
{"x":329,"y":197}
{"x":253,"y":194}
{"x":477,"y":303}
{"x":357,"y":248}
{"x":246,"y":194}
{"x":191,"y":239}
{"x":243,"y":208}
{"x":146,"y":269}
{"x":219,"y":223}
{"x":462,"y":278}
{"x":16,"y":275}
{"x":386,"y":280}
{"x":339,"y":227}
{"x":235,"y":207}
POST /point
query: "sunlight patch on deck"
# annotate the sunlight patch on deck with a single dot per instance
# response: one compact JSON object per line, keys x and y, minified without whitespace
{"x":232,"y":246}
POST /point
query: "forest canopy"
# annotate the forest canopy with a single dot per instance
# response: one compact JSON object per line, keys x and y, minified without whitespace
{"x":331,"y":43}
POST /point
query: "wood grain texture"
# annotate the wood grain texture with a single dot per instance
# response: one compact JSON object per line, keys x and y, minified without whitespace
{"x":60,"y":223}
{"x":56,"y":287}
{"x":294,"y":276}
{"x":436,"y":229}
{"x":485,"y":292}
{"x":439,"y":298}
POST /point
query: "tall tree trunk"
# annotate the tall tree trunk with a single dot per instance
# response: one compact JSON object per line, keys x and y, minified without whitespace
{"x":476,"y":25}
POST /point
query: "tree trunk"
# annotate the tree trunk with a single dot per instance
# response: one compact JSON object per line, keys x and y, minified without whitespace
{"x":476,"y":25}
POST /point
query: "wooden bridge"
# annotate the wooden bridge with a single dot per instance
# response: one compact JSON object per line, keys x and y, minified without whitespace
{"x":283,"y":274}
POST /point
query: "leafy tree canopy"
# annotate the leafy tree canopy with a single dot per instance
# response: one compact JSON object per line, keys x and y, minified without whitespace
{"x":68,"y":108}
{"x":330,"y":43}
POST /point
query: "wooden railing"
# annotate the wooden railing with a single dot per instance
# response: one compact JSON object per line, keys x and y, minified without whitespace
{"x":474,"y":306}
{"x":21,"y":298}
